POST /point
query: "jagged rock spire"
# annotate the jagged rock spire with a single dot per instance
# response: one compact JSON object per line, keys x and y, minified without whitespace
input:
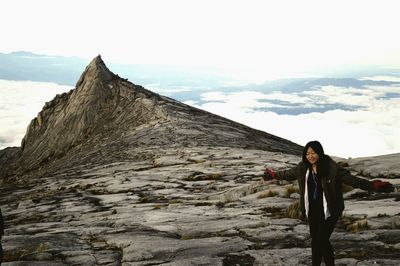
{"x":95,"y":107}
{"x":95,"y":70}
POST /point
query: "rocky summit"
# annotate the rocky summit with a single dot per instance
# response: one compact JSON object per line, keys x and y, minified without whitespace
{"x":113,"y":174}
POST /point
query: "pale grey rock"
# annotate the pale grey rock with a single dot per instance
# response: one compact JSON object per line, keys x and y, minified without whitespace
{"x":395,"y":222}
{"x":281,"y":256}
{"x":347,"y":262}
{"x":294,"y":196}
{"x":386,"y":166}
{"x":203,"y":261}
{"x":372,"y":208}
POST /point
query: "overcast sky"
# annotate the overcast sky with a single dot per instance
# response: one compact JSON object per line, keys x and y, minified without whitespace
{"x":256,"y":39}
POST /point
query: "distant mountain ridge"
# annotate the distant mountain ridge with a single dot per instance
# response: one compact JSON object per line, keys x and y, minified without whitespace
{"x":105,"y":109}
{"x":66,"y":70}
{"x":44,"y":68}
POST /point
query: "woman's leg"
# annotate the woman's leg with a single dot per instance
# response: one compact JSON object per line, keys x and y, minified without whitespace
{"x":316,"y":252}
{"x":325,"y":233}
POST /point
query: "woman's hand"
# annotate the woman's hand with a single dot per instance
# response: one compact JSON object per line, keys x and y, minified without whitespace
{"x":382,"y":186}
{"x":269,"y":174}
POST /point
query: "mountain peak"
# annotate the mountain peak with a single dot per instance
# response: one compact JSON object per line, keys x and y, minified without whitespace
{"x":96,"y":70}
{"x":98,"y":59}
{"x":101,"y":104}
{"x":98,"y":64}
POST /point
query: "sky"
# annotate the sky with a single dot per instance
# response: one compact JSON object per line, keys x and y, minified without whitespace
{"x":249,"y":40}
{"x":254,"y":40}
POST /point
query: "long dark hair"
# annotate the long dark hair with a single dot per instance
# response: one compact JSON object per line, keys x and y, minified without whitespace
{"x":323,"y":161}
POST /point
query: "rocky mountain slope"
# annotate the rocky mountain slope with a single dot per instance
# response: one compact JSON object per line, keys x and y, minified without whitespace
{"x":113,"y":174}
{"x":104,"y":109}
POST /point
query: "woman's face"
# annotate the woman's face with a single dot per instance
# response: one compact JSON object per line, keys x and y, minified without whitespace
{"x":312,"y":156}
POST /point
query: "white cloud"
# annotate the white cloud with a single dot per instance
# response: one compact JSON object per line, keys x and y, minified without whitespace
{"x":346,"y":96}
{"x":368,"y":132}
{"x":383,"y":78}
{"x":291,"y":98}
{"x":239,"y":99}
{"x":190,"y":102}
{"x":251,"y":99}
{"x":167,"y":92}
{"x":20,"y":102}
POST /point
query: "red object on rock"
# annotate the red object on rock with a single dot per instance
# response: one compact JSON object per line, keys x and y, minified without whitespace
{"x":382,"y":186}
{"x":269,"y":174}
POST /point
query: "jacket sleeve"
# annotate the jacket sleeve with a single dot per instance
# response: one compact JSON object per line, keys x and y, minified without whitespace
{"x":355,"y":182}
{"x":1,"y":224}
{"x":288,"y":174}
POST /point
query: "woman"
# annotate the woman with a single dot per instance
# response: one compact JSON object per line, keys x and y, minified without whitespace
{"x":321,"y":200}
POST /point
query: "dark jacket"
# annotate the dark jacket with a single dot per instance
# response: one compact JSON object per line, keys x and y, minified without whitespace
{"x":331,"y":185}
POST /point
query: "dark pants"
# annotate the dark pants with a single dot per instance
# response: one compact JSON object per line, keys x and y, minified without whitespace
{"x":1,"y":252}
{"x":321,"y":230}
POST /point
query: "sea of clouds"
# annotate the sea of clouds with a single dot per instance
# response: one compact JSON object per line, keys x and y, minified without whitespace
{"x":349,"y":122}
{"x":20,"y":102}
{"x":356,"y":122}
